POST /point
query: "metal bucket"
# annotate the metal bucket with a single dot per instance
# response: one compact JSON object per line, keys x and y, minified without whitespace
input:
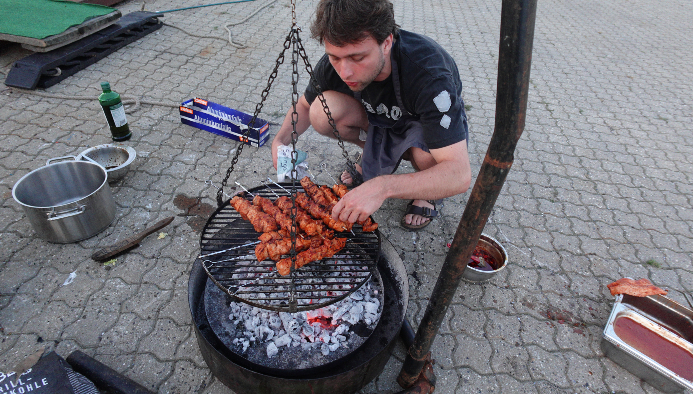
{"x":497,"y":252}
{"x":66,"y":201}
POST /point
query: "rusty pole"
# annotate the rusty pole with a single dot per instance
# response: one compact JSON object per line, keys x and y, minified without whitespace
{"x":514,"y":61}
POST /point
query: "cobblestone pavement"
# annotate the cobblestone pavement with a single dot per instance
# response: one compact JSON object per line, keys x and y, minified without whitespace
{"x":600,"y":189}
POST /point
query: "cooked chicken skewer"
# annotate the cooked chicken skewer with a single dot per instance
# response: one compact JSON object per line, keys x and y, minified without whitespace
{"x":317,"y":211}
{"x":261,"y":221}
{"x":339,"y":191}
{"x":275,"y":249}
{"x":325,"y":197}
{"x":327,"y":249}
{"x":305,"y":222}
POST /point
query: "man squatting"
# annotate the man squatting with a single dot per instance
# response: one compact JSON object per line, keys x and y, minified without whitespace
{"x":395,"y":94}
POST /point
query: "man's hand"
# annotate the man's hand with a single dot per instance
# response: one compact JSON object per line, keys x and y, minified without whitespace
{"x":359,"y":203}
{"x":283,"y":136}
{"x":275,"y":151}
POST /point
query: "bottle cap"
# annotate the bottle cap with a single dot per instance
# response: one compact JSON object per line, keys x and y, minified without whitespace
{"x":105,"y":86}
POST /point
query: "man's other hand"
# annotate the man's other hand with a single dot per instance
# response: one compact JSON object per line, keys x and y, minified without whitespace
{"x":359,"y":203}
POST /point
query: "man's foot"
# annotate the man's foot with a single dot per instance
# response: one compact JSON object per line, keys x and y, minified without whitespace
{"x":419,"y":214}
{"x":346,"y":177}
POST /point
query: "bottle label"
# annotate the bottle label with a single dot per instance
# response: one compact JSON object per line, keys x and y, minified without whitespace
{"x":118,"y":113}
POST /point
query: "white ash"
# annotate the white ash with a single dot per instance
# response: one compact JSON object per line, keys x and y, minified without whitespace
{"x":274,"y":331}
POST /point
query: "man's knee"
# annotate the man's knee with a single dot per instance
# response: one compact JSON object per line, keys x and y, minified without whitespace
{"x":344,"y":110}
{"x":420,"y":159}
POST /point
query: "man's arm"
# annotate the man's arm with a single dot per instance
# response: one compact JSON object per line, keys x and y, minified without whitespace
{"x":450,"y":176}
{"x":283,"y":136}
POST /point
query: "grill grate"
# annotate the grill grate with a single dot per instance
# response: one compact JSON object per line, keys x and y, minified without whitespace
{"x":228,"y":256}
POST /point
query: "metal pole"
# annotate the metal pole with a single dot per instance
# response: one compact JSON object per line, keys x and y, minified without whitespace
{"x":514,"y":61}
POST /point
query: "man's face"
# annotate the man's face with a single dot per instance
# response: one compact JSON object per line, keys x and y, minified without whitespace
{"x":361,"y":63}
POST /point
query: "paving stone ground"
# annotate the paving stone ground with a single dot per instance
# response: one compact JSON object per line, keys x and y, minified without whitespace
{"x":600,"y":189}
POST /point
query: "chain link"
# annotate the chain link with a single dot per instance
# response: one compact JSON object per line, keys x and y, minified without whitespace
{"x":293,"y":14}
{"x":258,"y":108}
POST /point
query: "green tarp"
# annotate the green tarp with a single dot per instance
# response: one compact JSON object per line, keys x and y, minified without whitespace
{"x":44,"y":18}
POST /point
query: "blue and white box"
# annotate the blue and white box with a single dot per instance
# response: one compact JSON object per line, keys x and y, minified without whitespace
{"x":223,"y":121}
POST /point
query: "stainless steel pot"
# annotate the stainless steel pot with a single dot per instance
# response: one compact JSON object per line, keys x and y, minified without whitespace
{"x":66,"y":201}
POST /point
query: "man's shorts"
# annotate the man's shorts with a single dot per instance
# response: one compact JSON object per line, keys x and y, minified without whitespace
{"x":385,"y":146}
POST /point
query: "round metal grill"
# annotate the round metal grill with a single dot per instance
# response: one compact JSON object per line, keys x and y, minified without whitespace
{"x":228,"y":256}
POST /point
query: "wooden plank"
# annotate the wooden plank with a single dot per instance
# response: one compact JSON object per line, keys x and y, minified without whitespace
{"x":69,"y":36}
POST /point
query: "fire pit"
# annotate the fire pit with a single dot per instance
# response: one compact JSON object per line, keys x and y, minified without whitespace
{"x":346,"y":373}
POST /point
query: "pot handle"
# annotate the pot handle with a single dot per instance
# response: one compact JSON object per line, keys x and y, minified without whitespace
{"x":61,"y":158}
{"x":87,"y":158}
{"x":53,"y":215}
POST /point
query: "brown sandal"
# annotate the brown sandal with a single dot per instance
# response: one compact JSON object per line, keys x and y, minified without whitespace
{"x":356,"y":177}
{"x":430,"y":213}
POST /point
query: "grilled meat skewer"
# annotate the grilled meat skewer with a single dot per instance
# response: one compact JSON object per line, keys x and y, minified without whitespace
{"x":317,"y":211}
{"x":261,"y":221}
{"x":327,"y":249}
{"x":338,"y":191}
{"x":305,"y":222}
{"x":283,"y":220}
{"x":276,"y":248}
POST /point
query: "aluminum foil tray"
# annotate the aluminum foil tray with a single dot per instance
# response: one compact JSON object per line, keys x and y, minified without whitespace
{"x":661,"y":315}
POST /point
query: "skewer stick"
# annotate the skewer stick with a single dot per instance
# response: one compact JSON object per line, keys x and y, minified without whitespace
{"x":247,"y":191}
{"x":324,"y":169}
{"x":202,"y":256}
{"x":272,"y":190}
{"x":282,"y":187}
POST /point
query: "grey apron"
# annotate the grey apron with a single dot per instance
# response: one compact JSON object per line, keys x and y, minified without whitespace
{"x":385,"y":143}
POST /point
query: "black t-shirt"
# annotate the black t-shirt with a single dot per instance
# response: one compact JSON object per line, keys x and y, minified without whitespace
{"x":430,"y":86}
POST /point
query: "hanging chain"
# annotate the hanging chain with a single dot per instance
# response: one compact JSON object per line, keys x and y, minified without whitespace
{"x":355,"y":175}
{"x":294,"y":157}
{"x":293,"y":14}
{"x":258,"y":108}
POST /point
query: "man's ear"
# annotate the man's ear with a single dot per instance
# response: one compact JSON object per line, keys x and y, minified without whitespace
{"x":387,"y":44}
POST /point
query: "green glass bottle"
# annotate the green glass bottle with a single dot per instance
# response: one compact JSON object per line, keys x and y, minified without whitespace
{"x":115,"y":113}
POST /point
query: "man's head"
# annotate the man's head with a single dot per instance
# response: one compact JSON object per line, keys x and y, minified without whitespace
{"x":358,"y":37}
{"x":342,"y":22}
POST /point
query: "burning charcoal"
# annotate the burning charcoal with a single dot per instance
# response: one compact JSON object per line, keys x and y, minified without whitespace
{"x":324,"y":349}
{"x":317,"y":327}
{"x":333,"y":346}
{"x":308,"y":330}
{"x":272,"y":350}
{"x":324,"y":336}
{"x":245,"y":343}
{"x":275,"y":322}
{"x":265,"y":330}
{"x":283,"y":340}
{"x":357,"y":296}
{"x":371,"y":307}
{"x":341,"y":311}
{"x":251,"y":324}
{"x":356,"y":310}
{"x":340,"y":338}
{"x":341,"y":329}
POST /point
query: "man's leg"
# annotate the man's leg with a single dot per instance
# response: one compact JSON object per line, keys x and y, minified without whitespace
{"x":420,"y":160}
{"x":349,"y":117}
{"x":348,"y":114}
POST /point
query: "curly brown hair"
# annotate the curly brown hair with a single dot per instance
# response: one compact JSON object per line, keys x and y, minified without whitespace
{"x":342,"y":22}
